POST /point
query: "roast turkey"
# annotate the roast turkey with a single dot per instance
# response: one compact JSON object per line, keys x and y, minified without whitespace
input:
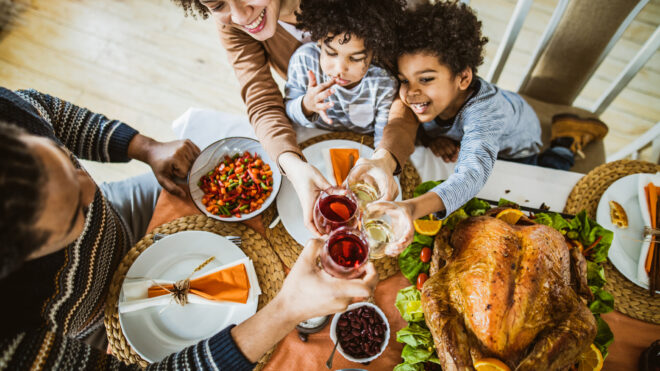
{"x":513,"y":292}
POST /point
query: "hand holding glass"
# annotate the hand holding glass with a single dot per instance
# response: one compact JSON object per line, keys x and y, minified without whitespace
{"x":371,"y":183}
{"x":345,"y":253}
{"x":388,"y":228}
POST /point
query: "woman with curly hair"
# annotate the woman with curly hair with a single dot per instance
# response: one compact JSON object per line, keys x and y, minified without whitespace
{"x":260,"y":34}
{"x":465,"y":119}
{"x":332,"y":84}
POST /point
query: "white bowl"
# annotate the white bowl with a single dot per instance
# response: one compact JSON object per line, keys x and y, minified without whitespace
{"x":212,"y":155}
{"x":333,"y":332}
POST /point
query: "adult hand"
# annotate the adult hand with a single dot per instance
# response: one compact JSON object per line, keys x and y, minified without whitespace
{"x":445,"y":148}
{"x":314,"y":99}
{"x":308,"y":183}
{"x":371,"y":172}
{"x":311,"y":292}
{"x":169,"y":160}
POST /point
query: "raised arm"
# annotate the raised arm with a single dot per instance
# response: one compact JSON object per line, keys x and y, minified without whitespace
{"x":307,"y":292}
{"x":265,"y":105}
{"x":398,"y":140}
{"x":88,"y":135}
{"x":479,"y":148}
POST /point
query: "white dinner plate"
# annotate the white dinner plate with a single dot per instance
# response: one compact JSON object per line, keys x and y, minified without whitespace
{"x":288,"y":205}
{"x":157,"y":332}
{"x":627,"y":243}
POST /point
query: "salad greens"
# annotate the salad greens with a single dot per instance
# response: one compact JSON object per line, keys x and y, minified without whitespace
{"x":409,"y":303}
{"x":409,"y":261}
{"x":594,"y":239}
{"x":416,"y":336}
{"x":425,"y":187}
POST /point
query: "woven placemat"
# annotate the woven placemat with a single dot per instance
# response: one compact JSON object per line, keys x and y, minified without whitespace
{"x":266,"y":263}
{"x":288,"y":249}
{"x":629,"y":298}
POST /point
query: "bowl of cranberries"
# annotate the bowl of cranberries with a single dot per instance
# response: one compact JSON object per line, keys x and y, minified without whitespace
{"x":362,"y":332}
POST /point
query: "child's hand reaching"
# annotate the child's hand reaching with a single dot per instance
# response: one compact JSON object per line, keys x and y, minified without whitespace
{"x":445,"y":148}
{"x":314,"y":99}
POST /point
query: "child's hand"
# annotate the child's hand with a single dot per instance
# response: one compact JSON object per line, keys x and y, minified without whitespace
{"x":445,"y":148}
{"x":314,"y":99}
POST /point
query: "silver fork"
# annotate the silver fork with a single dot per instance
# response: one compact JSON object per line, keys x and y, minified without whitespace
{"x":236,"y":240}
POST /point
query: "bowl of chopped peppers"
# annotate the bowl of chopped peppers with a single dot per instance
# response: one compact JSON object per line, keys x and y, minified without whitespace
{"x":233,"y":179}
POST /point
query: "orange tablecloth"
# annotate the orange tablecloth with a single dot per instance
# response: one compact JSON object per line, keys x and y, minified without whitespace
{"x":631,"y":336}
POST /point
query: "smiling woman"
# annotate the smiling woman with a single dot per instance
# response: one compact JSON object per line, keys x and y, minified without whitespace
{"x":260,"y":34}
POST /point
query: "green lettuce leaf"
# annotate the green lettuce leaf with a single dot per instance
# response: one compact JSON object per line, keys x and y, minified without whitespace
{"x":476,"y":207}
{"x":590,"y":232}
{"x":553,"y":220}
{"x":410,"y":264}
{"x":604,"y":336}
{"x":409,"y":367}
{"x":595,"y":275}
{"x":505,"y":202}
{"x":425,"y":187}
{"x":415,"y":335}
{"x":409,"y":303}
{"x":603,"y":302}
{"x":455,"y":218}
{"x":423,"y":240}
{"x":414,"y":355}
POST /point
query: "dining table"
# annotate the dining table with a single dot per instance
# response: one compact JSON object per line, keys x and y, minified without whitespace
{"x":524,"y":184}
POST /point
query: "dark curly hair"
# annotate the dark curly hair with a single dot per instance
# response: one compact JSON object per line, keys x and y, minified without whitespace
{"x":374,"y":21}
{"x":22,"y":178}
{"x":193,"y":8}
{"x":449,"y":30}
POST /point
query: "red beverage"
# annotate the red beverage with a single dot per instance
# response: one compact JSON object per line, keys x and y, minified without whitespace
{"x":335,"y":207}
{"x":345,"y":253}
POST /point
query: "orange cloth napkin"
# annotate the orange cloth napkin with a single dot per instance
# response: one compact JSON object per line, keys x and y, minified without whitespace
{"x":341,"y":162}
{"x":652,"y":193}
{"x":229,"y":284}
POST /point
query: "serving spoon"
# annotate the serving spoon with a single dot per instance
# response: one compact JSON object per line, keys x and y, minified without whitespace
{"x":328,"y":363}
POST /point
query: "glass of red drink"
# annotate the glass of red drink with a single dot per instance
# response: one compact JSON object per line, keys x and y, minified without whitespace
{"x":345,"y":253}
{"x":335,"y":207}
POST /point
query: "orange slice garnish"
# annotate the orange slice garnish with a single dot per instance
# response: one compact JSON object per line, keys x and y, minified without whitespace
{"x":490,"y":364}
{"x":427,"y":227}
{"x":590,"y":360}
{"x":510,"y":216}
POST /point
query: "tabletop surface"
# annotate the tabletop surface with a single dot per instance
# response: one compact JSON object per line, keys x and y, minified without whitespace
{"x":524,"y":184}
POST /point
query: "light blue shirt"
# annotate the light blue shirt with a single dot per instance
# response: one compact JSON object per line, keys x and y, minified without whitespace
{"x":493,"y":123}
{"x":363,"y":108}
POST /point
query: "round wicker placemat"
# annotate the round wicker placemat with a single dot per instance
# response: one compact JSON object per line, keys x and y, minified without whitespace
{"x":288,"y":249}
{"x":629,"y":298}
{"x":266,"y":263}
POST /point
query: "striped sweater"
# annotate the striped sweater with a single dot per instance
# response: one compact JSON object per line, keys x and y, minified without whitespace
{"x":52,"y":302}
{"x":492,"y":124}
{"x":362,"y":109}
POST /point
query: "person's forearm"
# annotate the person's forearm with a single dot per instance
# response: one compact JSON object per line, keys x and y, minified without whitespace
{"x":267,"y":327}
{"x":289,"y":161}
{"x":388,"y":161}
{"x":425,"y":204}
{"x":139,"y":147}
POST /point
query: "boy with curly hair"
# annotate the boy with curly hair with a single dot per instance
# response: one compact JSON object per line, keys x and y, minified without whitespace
{"x":465,"y":119}
{"x":334,"y":83}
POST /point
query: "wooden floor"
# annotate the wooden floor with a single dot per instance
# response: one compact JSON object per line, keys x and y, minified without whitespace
{"x":143,"y":62}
